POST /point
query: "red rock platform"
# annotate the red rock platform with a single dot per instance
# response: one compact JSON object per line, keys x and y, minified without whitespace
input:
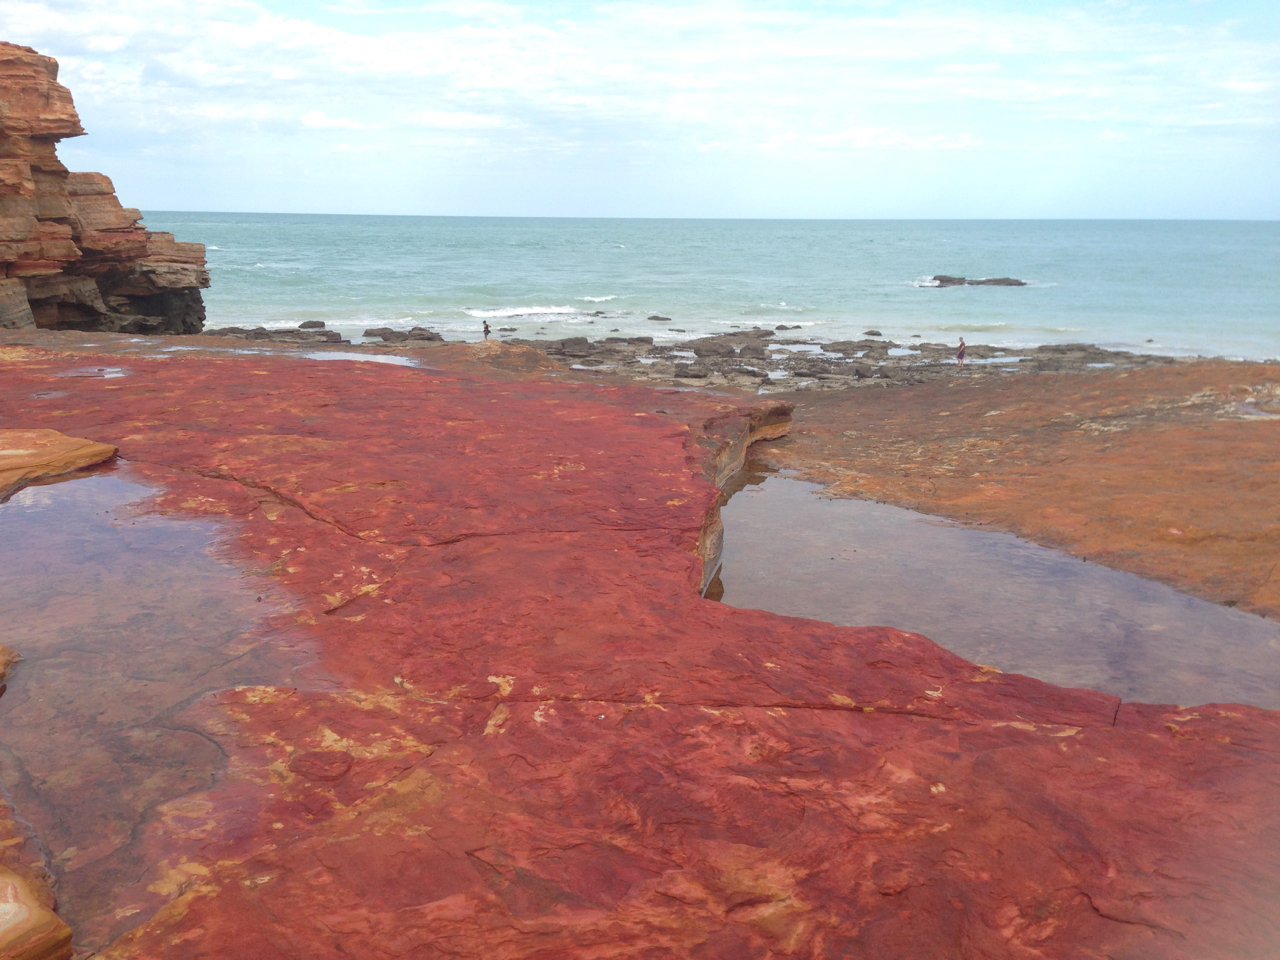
{"x":525,"y":735}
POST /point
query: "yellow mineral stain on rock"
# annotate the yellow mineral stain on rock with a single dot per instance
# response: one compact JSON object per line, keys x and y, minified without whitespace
{"x":177,"y":879}
{"x":839,"y":699}
{"x":496,"y":719}
{"x":504,"y":684}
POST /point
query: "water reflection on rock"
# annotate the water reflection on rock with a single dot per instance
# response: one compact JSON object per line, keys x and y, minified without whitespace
{"x":990,"y":597}
{"x":121,"y":618}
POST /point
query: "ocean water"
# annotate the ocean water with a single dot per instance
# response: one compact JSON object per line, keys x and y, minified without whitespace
{"x":1208,"y":288}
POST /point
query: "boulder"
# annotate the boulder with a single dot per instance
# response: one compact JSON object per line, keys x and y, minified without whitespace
{"x":311,"y":325}
{"x":713,"y":347}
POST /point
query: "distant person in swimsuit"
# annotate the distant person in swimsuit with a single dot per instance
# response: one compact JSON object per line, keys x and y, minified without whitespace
{"x":486,"y":330}
{"x":959,"y":353}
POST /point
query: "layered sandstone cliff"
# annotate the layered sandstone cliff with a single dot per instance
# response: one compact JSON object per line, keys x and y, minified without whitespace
{"x":71,"y":256}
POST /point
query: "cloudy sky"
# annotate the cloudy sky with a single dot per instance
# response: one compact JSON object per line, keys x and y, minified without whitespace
{"x":734,"y":108}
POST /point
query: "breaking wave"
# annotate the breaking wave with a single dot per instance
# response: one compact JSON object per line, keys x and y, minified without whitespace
{"x":519,"y":311}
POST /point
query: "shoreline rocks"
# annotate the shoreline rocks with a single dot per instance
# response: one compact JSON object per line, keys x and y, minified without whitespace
{"x":71,"y":256}
{"x":760,"y":360}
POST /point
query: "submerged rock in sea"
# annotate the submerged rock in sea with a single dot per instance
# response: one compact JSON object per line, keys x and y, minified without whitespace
{"x":71,"y":257}
{"x":942,"y":280}
{"x":523,"y":733}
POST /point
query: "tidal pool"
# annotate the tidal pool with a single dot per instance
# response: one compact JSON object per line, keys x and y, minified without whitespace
{"x":993,"y":598}
{"x":122,"y":619}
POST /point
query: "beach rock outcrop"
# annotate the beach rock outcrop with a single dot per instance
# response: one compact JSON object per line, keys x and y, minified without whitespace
{"x":391,"y":335}
{"x":71,"y":255}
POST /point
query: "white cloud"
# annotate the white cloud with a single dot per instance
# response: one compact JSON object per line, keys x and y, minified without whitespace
{"x":722,"y":80}
{"x":318,"y":118}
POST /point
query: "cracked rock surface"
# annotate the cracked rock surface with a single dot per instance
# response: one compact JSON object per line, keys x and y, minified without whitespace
{"x":522,"y":733}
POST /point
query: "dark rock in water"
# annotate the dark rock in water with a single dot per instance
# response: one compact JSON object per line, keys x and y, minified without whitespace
{"x":507,"y":329}
{"x":660,"y":319}
{"x":694,"y":371}
{"x":872,"y":333}
{"x":570,"y":347}
{"x":311,"y":325}
{"x":783,"y":326}
{"x":388,"y":335}
{"x":862,"y":371}
{"x":942,"y":280}
{"x":278,"y":336}
{"x":753,"y":351}
{"x":635,"y":341}
{"x":713,"y":347}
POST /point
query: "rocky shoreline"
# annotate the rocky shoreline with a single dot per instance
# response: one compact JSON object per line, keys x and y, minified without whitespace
{"x":761,"y":361}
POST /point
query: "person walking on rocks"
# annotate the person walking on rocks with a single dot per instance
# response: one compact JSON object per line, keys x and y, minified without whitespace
{"x":960,"y":354}
{"x":486,"y":329}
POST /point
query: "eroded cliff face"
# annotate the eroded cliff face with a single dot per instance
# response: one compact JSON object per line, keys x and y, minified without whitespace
{"x":71,"y":256}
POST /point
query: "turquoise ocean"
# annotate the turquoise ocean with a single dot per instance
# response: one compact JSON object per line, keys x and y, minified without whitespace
{"x":1208,"y":288}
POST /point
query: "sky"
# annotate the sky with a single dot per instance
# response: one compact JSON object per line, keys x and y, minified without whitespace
{"x":728,"y":108}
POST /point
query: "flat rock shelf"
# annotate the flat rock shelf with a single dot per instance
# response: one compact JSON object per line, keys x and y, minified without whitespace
{"x":517,"y":730}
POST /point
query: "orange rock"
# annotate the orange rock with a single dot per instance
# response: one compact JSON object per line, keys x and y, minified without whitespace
{"x":28,"y":455}
{"x":32,"y":102}
{"x":71,"y":226}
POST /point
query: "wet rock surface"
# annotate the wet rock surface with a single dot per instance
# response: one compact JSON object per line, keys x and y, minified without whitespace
{"x":525,"y":734}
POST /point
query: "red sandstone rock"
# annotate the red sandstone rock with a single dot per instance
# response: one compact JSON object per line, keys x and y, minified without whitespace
{"x":525,"y":735}
{"x":71,"y":257}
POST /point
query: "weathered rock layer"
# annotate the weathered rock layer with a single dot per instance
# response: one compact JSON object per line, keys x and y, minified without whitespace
{"x":71,"y":256}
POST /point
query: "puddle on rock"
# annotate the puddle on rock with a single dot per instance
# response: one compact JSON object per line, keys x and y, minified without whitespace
{"x":121,"y":620}
{"x":990,"y":597}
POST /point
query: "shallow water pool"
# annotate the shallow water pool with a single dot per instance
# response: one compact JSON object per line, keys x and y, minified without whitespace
{"x":122,"y":618}
{"x":993,"y":598}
